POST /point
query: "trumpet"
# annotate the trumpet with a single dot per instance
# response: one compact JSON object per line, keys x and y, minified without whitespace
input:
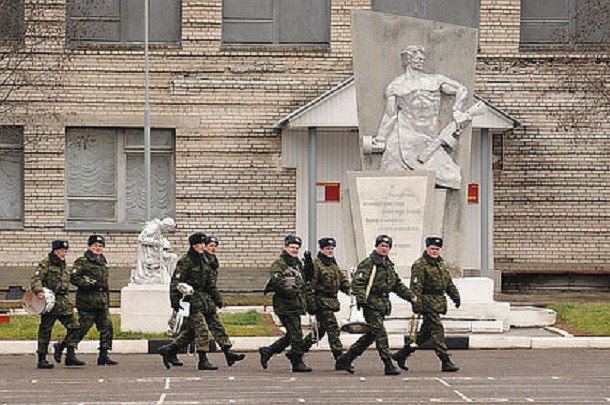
{"x":413,"y":329}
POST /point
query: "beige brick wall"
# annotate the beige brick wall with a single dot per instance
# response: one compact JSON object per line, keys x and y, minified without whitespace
{"x":551,"y":198}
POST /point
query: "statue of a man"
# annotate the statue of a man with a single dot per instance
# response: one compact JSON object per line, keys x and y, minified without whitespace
{"x":410,"y":123}
{"x":155,"y":262}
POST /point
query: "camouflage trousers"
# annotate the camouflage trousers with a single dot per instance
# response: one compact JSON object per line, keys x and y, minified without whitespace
{"x":196,"y":328}
{"x":327,"y":324}
{"x":47,"y":321}
{"x":377,"y":334}
{"x":102,"y":322}
{"x":432,"y":329}
{"x":293,"y":336}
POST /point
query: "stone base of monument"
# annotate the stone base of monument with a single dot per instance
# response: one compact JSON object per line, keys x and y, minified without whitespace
{"x":145,"y":308}
{"x":479,"y":313}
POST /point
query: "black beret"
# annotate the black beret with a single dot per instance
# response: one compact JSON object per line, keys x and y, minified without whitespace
{"x":196,"y":238}
{"x":327,"y":242}
{"x":210,"y":239}
{"x":60,"y":244}
{"x":434,"y":240}
{"x":96,"y":239}
{"x":292,"y":239}
{"x":383,"y":239}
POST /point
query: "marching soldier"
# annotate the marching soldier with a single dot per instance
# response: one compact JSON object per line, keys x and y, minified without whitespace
{"x":199,"y":269}
{"x":325,"y":281}
{"x":373,"y":281}
{"x":287,"y":283}
{"x":90,"y":276}
{"x":430,"y":281}
{"x":52,"y":274}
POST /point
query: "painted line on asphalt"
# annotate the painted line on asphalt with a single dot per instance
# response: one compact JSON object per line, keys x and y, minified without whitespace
{"x":529,"y":399}
{"x":464,"y":397}
{"x":440,"y":380}
{"x":167,"y":383}
{"x":162,"y":398}
{"x":101,"y":380}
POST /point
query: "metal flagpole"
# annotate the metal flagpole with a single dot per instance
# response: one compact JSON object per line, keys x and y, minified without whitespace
{"x":146,"y":118}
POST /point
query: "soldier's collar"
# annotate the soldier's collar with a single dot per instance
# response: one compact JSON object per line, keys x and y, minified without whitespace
{"x":291,"y":261}
{"x":379,"y":260}
{"x":195,"y":256}
{"x":54,"y":259}
{"x":431,"y":260}
{"x":101,"y":259}
{"x":325,"y":259}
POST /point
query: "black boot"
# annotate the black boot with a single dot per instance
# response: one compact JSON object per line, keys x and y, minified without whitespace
{"x":390,"y":368}
{"x":345,"y":362}
{"x":204,"y":363}
{"x":266,"y":353}
{"x":402,"y":355}
{"x":43,"y":363}
{"x":170,"y":355}
{"x":104,"y":360}
{"x":231,"y":356}
{"x":448,"y":365}
{"x":337,"y":354}
{"x":58,"y":351}
{"x":71,"y":359}
{"x":297,"y":363}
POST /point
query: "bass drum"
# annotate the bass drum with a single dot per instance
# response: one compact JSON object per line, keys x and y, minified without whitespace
{"x":38,"y":306}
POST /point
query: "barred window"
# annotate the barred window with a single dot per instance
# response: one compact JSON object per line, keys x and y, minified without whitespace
{"x":275,"y":22}
{"x":565,"y":22}
{"x":122,"y":21}
{"x":459,"y":12}
{"x":11,"y":177}
{"x":106,"y":179}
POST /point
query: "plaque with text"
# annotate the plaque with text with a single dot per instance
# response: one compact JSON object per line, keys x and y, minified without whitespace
{"x":396,"y":204}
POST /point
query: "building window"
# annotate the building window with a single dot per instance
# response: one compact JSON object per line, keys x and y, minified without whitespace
{"x":12,"y":21}
{"x":122,"y":21}
{"x":565,"y":22}
{"x":106,"y":179}
{"x":11,"y":177}
{"x":459,"y":12}
{"x":276,"y":22}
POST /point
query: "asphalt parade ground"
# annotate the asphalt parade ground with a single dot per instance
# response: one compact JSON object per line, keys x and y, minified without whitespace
{"x":490,"y":376}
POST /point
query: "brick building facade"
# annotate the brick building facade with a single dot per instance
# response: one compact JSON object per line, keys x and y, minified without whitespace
{"x":219,"y":100}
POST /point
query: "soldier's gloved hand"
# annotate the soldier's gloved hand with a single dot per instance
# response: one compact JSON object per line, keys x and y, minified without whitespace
{"x":218,"y":303}
{"x":308,"y":269}
{"x":360,"y":303}
{"x":457,"y":303}
{"x":176,"y":306}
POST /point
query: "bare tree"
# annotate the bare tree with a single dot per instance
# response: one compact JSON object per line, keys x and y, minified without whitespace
{"x":585,"y":72}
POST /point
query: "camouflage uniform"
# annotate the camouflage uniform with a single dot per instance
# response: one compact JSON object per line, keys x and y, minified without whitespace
{"x":322,"y":300}
{"x":200,"y":271}
{"x":52,"y":274}
{"x":90,"y":276}
{"x":378,"y":305}
{"x":287,"y":283}
{"x":430,"y":280}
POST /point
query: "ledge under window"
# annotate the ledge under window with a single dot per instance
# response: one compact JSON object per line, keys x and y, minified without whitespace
{"x":318,"y":48}
{"x":103,"y":226}
{"x":11,"y":225}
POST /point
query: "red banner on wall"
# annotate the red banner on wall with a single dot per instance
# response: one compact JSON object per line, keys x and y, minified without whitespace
{"x":473,"y":193}
{"x":329,"y":192}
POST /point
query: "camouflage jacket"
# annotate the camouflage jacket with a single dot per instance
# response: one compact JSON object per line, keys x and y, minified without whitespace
{"x":430,"y":280}
{"x":200,"y":271}
{"x":288,"y":285}
{"x":328,"y":279}
{"x":90,"y":276}
{"x":386,"y":281}
{"x":53,"y":274}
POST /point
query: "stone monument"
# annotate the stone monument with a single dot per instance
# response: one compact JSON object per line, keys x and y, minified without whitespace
{"x":145,"y":305}
{"x":414,"y":90}
{"x":414,"y":81}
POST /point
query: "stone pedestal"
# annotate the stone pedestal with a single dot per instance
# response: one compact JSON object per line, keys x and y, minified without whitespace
{"x":479,"y":313}
{"x":145,"y":308}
